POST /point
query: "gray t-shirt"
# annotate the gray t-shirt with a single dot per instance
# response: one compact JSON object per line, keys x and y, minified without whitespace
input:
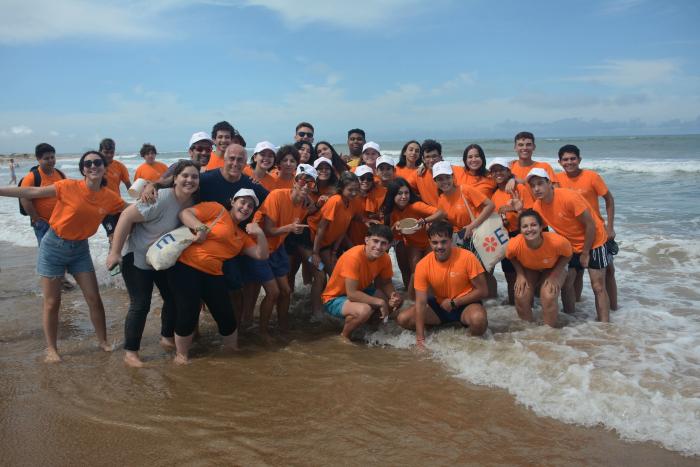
{"x":160,"y":217}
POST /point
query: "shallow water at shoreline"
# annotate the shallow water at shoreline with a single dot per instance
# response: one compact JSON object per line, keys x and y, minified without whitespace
{"x":315,"y":401}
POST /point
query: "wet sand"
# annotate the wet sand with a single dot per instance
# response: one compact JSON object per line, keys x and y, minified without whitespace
{"x":314,"y":401}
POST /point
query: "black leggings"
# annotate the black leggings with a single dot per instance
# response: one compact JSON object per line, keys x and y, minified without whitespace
{"x":139,"y":284}
{"x":190,"y":287}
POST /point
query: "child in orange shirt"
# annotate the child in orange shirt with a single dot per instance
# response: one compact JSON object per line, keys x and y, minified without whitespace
{"x":540,"y":260}
{"x":150,"y":170}
{"x":80,"y":207}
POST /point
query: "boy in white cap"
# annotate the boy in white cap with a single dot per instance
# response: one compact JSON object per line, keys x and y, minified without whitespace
{"x":386,"y":169}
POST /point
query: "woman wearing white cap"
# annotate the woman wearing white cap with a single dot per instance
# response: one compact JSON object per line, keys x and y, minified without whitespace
{"x":326,"y":149}
{"x":197,"y":276}
{"x":370,"y":153}
{"x":369,"y":202}
{"x":261,"y":163}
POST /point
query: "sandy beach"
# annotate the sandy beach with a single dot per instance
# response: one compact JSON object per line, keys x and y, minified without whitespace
{"x":315,"y":401}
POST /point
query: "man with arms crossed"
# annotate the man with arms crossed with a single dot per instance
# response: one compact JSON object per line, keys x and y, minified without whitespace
{"x":569,"y":214}
{"x":450,"y":284}
{"x":361,"y":284}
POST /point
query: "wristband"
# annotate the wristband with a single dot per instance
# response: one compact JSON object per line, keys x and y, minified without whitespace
{"x":202,"y":228}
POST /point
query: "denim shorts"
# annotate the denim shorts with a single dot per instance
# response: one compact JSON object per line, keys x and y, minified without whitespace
{"x":334,"y":306}
{"x":260,"y":271}
{"x":57,"y":255}
{"x":40,"y":228}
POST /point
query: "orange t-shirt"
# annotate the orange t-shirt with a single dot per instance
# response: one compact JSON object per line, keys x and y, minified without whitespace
{"x":409,"y":175}
{"x":116,"y":173}
{"x":79,"y":210}
{"x":337,"y":214}
{"x":215,"y":162}
{"x":501,"y":198}
{"x":278,"y":207}
{"x":224,"y":241}
{"x":453,"y":205}
{"x":521,"y":172}
{"x":281,"y":183}
{"x":354,"y":264}
{"x":427,"y":188}
{"x":44,"y":206}
{"x":416,"y":210}
{"x":269,"y":181}
{"x":150,"y":172}
{"x":561,"y":214}
{"x":588,"y":184}
{"x":545,"y":257}
{"x":369,"y":206}
{"x":447,"y":279}
{"x":485,"y":185}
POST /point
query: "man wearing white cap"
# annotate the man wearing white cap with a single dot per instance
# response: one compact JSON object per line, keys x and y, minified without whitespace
{"x":386,"y":169}
{"x":199,"y":150}
{"x":280,"y":214}
{"x":427,"y":189}
{"x":371,"y":198}
{"x":569,"y":214}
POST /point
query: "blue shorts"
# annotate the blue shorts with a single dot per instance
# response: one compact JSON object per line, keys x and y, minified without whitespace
{"x":57,"y":255}
{"x":334,"y":306}
{"x":264,"y":270}
{"x":40,"y":228}
{"x":444,"y":315}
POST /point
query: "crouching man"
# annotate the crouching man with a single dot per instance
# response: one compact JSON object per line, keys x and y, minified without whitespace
{"x":360,"y":285}
{"x":450,"y":284}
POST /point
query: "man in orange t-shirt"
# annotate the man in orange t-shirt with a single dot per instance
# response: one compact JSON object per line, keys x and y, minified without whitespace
{"x":591,"y":186}
{"x":427,"y":188}
{"x":115,"y":174}
{"x":223,"y":134}
{"x":570,"y":216}
{"x":360,"y":285}
{"x":450,"y":284}
{"x":524,"y":147}
{"x":151,"y":169}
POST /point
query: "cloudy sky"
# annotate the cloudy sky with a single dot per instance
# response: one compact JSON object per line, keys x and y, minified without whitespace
{"x":74,"y":71}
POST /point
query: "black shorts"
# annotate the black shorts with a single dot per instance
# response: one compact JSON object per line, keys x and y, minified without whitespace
{"x":451,"y":316}
{"x":613,"y":249}
{"x":294,"y":242}
{"x":598,"y":259}
{"x":233,"y":272}
{"x":110,"y":223}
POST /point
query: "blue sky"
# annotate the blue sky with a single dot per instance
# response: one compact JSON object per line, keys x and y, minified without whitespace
{"x":75,"y":71}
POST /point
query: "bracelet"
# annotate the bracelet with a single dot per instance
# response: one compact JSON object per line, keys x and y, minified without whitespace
{"x":202,"y":228}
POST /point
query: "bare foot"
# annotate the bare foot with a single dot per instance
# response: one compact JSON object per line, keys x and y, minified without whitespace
{"x":107,"y":347}
{"x":181,"y":359}
{"x":168,"y":343}
{"x":345,"y":340}
{"x":132,"y":359}
{"x":230,"y":343}
{"x":52,"y":356}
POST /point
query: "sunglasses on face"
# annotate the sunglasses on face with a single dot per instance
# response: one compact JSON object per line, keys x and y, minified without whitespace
{"x":309,"y":183}
{"x":305,"y":134}
{"x":367,"y":178}
{"x":90,"y":162}
{"x":201,"y":148}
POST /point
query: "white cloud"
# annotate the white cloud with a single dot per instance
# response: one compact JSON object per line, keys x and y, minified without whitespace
{"x":631,"y":72}
{"x":462,"y":80}
{"x":613,"y":7}
{"x":21,"y":130}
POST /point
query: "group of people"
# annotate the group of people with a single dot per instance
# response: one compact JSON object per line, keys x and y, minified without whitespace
{"x":257,"y":221}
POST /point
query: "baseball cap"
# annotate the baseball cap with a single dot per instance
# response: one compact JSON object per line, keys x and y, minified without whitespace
{"x":261,"y":146}
{"x":200,"y":136}
{"x":537,"y":172}
{"x":386,"y":160}
{"x":306,"y":169}
{"x":370,"y":145}
{"x":442,"y":168}
{"x":502,"y":161}
{"x":247,"y":192}
{"x":321,"y":160}
{"x":363,"y":170}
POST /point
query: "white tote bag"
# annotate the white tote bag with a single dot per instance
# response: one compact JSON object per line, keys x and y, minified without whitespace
{"x":165,"y":251}
{"x":489,"y":239}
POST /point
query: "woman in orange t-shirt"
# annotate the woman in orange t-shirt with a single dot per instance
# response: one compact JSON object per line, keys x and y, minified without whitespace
{"x":401,"y":203}
{"x":540,"y":260}
{"x":80,"y":207}
{"x":198,"y":277}
{"x":261,"y":163}
{"x":150,"y":170}
{"x":411,"y":158}
{"x":475,"y":174}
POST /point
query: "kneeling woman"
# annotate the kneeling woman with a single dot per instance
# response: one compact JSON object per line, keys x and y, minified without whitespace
{"x":145,"y":223}
{"x":540,"y":260}
{"x":81,"y":205}
{"x":197,"y":275}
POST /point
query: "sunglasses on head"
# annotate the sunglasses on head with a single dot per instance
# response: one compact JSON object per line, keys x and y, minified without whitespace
{"x":305,"y":134}
{"x":90,"y":162}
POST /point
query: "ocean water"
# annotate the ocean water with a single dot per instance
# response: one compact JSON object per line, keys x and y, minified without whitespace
{"x":638,"y":375}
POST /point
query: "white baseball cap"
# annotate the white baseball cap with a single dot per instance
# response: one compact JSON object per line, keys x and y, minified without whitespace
{"x":321,"y":160}
{"x":386,"y":160}
{"x":363,"y":170}
{"x":537,"y":172}
{"x":502,"y":161}
{"x":247,"y":192}
{"x":370,"y":145}
{"x":306,"y":169}
{"x":261,"y":146}
{"x":199,"y":136}
{"x":442,"y":168}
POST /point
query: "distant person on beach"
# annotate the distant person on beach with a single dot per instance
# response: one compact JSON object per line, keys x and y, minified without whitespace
{"x":304,"y":132}
{"x":151,"y":169}
{"x":144,"y":224}
{"x":450,"y":284}
{"x":569,"y":214}
{"x":223,"y":134}
{"x":80,"y":206}
{"x":115,"y":175}
{"x":591,"y":186}
{"x":360,"y":286}
{"x":356,"y":140}
{"x":540,"y":261}
{"x":13,"y":176}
